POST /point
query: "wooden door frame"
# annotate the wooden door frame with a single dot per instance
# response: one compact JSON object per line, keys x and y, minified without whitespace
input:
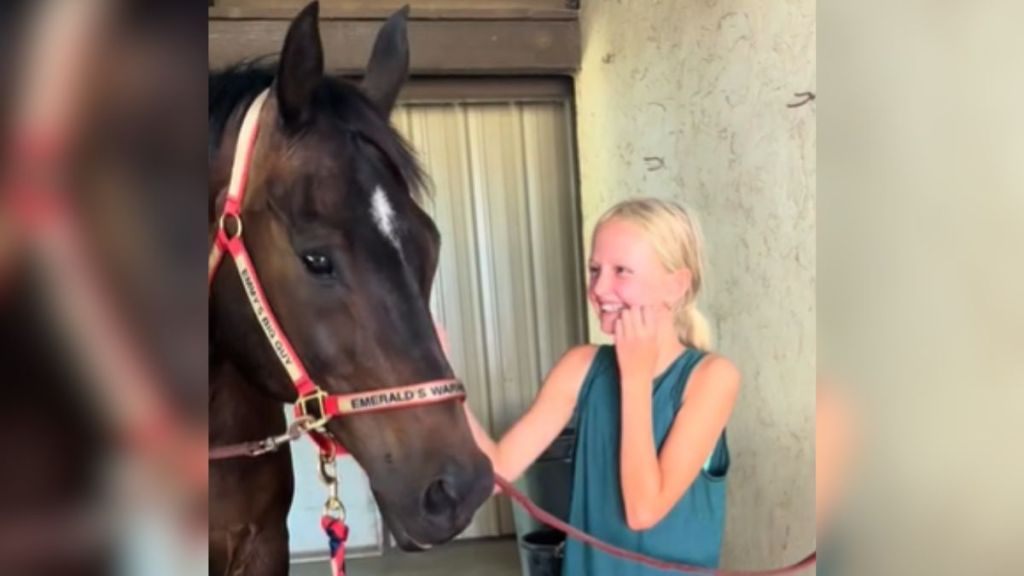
{"x":505,"y":41}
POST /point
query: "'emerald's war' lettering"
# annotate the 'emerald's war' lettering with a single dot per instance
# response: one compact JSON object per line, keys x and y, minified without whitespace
{"x":446,"y":389}
{"x":383,"y":399}
{"x":387,"y":398}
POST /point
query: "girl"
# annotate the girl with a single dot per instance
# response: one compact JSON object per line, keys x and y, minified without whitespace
{"x":651,"y":455}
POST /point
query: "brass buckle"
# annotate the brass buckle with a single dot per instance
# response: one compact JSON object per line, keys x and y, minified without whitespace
{"x":319,"y":419}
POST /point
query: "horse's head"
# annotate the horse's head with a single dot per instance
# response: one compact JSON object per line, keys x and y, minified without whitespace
{"x":346,"y":258}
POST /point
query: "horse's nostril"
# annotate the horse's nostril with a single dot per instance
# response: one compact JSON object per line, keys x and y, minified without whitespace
{"x":440,"y":498}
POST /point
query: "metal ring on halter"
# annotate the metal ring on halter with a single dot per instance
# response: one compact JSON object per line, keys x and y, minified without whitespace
{"x":222,"y":222}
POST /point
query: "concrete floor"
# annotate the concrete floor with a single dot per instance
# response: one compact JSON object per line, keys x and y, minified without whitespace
{"x":498,"y":557}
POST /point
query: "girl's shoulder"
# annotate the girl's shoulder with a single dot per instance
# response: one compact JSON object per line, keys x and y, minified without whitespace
{"x":571,"y":370}
{"x":712,"y":371}
{"x":715,"y":364}
{"x":579,"y":359}
{"x":582,"y":355}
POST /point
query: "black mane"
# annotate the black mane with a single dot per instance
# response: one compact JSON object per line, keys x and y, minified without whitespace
{"x":236,"y":87}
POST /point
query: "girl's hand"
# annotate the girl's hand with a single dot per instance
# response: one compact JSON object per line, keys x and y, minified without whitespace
{"x":636,"y":344}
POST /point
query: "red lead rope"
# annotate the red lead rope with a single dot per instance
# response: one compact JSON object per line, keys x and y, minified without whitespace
{"x":550,"y":520}
{"x":337,"y":534}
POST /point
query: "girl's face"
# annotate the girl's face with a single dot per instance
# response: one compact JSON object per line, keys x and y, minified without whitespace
{"x":625,"y":272}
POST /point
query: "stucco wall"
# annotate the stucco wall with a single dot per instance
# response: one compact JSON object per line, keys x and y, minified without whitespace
{"x":687,"y":100}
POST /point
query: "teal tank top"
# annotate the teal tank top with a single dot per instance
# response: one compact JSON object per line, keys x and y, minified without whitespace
{"x":691,"y":533}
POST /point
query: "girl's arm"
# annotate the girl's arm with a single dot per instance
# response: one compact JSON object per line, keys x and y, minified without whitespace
{"x":541,"y":424}
{"x":652,"y":484}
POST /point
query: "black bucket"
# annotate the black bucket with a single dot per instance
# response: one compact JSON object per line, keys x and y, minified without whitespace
{"x":544,"y":551}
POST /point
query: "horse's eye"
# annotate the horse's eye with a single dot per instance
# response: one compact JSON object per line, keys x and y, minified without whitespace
{"x":318,"y":264}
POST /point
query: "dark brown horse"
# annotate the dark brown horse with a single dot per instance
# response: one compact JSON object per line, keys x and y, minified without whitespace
{"x":346,"y":257}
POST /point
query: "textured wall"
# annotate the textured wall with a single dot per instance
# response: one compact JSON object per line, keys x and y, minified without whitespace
{"x":687,"y":100}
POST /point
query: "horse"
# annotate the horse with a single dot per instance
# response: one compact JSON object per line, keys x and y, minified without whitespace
{"x":346,"y":257}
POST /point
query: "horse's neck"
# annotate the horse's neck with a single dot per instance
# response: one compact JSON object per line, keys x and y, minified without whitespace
{"x":240,"y":411}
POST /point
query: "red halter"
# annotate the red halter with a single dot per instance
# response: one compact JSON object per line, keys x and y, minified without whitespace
{"x":313,"y":401}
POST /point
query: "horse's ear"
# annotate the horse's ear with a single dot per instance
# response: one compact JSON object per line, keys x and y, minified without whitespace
{"x":389,"y":63}
{"x":302,"y":66}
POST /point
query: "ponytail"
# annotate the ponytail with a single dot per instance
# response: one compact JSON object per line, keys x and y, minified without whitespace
{"x":692,"y":328}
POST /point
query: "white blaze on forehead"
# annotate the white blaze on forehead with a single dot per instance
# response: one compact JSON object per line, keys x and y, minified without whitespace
{"x":384,"y":216}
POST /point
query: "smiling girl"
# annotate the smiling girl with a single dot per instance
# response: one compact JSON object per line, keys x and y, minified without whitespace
{"x":651,"y":455}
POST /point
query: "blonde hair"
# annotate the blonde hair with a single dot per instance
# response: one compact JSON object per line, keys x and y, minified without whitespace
{"x":676,"y":237}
